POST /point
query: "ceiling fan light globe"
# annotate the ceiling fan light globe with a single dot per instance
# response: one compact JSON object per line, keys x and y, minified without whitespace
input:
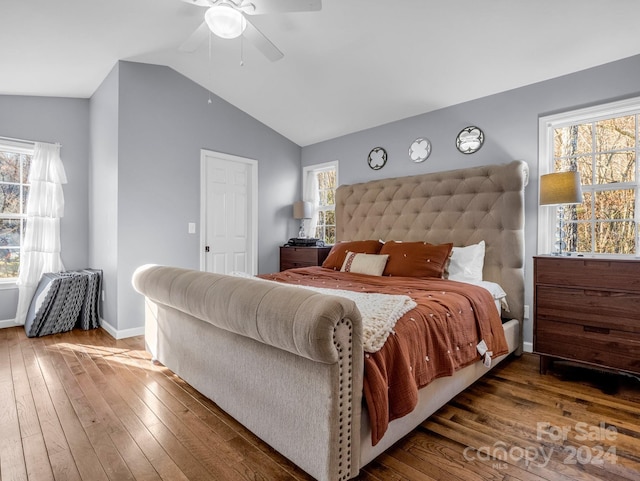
{"x":225,"y":21}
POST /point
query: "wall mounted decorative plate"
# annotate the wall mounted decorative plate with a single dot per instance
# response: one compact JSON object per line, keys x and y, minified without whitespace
{"x":420,"y":149}
{"x":377,"y":158}
{"x":470,"y":139}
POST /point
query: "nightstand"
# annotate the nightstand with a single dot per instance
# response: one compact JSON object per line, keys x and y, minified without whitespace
{"x":587,"y":310}
{"x":292,"y":257}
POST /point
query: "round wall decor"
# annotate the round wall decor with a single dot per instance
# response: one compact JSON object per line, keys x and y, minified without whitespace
{"x":420,"y":149}
{"x":377,"y":158}
{"x":470,"y":139}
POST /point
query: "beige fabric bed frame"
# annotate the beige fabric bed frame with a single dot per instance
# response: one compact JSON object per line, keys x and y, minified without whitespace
{"x":287,"y":362}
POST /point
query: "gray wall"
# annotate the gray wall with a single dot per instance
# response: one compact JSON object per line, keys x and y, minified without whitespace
{"x":103,"y":192}
{"x":164,"y":120}
{"x":509,"y":121}
{"x":63,"y":120}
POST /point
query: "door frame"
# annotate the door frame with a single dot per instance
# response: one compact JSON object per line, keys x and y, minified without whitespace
{"x":253,"y":205}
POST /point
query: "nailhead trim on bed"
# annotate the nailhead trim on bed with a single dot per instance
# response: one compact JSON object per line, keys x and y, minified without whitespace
{"x":345,"y":393}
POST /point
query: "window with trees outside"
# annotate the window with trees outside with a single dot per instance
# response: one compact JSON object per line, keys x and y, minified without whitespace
{"x":320,"y":184}
{"x":15,"y":161}
{"x":601,"y":143}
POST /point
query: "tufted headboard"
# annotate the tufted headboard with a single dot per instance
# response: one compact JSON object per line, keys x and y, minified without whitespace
{"x":461,"y":206}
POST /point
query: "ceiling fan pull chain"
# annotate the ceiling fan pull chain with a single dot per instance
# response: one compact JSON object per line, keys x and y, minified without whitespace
{"x":241,"y":50}
{"x":210,"y":68}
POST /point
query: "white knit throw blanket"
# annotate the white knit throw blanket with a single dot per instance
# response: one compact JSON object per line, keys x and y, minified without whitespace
{"x":379,"y":312}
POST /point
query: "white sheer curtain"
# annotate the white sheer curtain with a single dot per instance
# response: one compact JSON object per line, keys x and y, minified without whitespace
{"x":40,"y":252}
{"x":312,"y":195}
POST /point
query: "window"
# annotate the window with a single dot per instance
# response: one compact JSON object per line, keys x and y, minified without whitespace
{"x":601,"y":143}
{"x":320,"y":184}
{"x":15,"y":160}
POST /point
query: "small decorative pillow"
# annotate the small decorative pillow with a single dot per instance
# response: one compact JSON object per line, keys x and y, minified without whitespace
{"x":415,"y":259}
{"x":370,"y":264}
{"x":466,"y":263}
{"x":336,"y":257}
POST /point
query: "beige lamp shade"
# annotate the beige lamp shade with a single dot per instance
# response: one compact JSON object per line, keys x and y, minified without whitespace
{"x":560,"y":188}
{"x":302,"y":210}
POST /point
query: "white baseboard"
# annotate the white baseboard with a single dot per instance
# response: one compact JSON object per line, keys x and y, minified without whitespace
{"x":113,"y":332}
{"x":527,"y":346}
{"x":8,"y":323}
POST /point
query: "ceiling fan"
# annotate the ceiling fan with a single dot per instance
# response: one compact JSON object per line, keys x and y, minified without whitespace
{"x":230,"y":19}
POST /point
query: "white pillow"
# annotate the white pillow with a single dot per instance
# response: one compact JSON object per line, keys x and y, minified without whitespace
{"x":372,"y":264}
{"x":466,"y":263}
{"x":499,"y":296}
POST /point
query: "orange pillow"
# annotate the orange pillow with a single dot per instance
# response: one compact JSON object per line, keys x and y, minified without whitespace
{"x":338,"y":253}
{"x":415,"y":259}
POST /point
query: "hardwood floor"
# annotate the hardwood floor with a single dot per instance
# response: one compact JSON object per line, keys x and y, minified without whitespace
{"x":83,"y":406}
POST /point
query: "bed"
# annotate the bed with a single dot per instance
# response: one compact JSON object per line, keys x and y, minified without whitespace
{"x":288,"y":363}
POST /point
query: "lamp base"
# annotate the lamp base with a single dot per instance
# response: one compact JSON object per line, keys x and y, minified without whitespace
{"x":560,"y":245}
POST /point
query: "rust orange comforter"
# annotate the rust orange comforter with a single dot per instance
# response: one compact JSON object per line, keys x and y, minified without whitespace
{"x":435,"y":339}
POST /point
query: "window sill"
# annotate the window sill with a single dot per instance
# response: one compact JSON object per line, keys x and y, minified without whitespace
{"x":590,"y":255}
{"x":8,"y":284}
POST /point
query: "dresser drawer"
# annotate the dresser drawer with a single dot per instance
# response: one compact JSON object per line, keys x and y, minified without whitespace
{"x":293,"y":257}
{"x":596,"y":345}
{"x":284,"y":264}
{"x":591,"y":307}
{"x":588,"y":273}
{"x":300,"y":254}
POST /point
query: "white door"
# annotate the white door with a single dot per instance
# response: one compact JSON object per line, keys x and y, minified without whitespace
{"x":229,"y":213}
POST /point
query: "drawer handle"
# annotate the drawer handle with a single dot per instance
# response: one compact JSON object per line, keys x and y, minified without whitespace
{"x":594,"y":293}
{"x":597,"y":330}
{"x":597,"y":293}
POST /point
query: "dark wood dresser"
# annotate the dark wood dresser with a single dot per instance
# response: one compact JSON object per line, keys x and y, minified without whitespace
{"x":292,"y":257}
{"x":587,"y":310}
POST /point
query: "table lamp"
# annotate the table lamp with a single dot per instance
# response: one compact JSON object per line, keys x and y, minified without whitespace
{"x":302,"y":210}
{"x":560,"y":189}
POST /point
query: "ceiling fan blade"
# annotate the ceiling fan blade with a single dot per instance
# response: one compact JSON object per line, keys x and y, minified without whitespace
{"x":284,"y":6}
{"x":197,"y":38}
{"x":199,"y":3}
{"x":261,"y":42}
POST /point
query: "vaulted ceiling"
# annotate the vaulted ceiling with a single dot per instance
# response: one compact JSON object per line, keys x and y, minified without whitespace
{"x":353,"y":65}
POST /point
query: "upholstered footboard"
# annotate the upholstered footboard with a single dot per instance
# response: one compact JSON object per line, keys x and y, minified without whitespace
{"x":279,"y":359}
